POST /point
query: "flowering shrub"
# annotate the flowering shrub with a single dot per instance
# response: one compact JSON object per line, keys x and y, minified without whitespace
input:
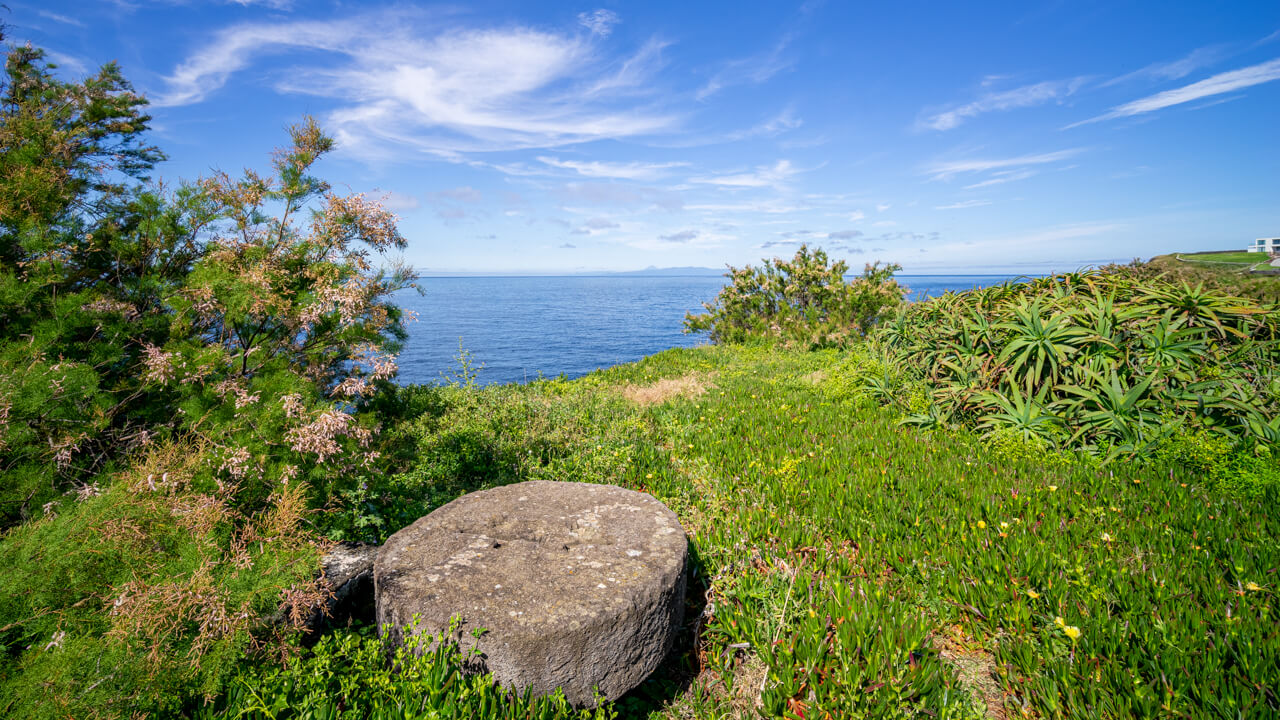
{"x":805,"y":302}
{"x":187,"y":382}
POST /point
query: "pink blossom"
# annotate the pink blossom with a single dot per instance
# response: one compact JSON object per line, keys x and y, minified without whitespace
{"x":159,"y":364}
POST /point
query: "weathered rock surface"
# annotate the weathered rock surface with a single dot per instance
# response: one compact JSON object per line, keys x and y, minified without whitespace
{"x":348,"y":571}
{"x":578,"y":586}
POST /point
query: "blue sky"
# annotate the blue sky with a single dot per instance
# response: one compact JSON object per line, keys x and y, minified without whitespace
{"x":549,"y":137}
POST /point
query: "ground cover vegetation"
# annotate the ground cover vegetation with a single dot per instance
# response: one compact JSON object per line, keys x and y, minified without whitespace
{"x":1230,"y":278}
{"x":195,"y":399}
{"x":848,"y":565}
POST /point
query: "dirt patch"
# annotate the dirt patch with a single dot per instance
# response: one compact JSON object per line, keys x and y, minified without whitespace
{"x":976,"y":669}
{"x":748,"y":678}
{"x":688,"y":386}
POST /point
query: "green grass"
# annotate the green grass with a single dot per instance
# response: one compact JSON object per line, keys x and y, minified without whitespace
{"x":1241,"y":258}
{"x":847,"y":566}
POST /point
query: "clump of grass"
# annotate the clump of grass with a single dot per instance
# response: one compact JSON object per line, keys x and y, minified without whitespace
{"x":353,"y":674}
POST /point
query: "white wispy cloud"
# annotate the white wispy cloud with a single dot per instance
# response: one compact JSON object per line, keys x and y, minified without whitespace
{"x":751,"y":70}
{"x":949,"y":169}
{"x":1025,"y":96}
{"x":65,"y":20}
{"x":599,"y":22}
{"x":763,"y":176}
{"x":963,"y":204}
{"x":456,"y":91}
{"x":1000,"y":177}
{"x":1173,"y":69}
{"x":633,"y":72}
{"x":775,"y":125}
{"x":66,"y":61}
{"x":1219,"y":84}
{"x":620,"y":171}
{"x":770,"y":207}
{"x":273,"y":4}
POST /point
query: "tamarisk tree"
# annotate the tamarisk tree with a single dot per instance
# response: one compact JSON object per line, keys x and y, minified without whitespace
{"x":805,"y":301}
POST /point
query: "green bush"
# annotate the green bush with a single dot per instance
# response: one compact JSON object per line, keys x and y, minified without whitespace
{"x":804,"y":302}
{"x":1099,"y":362}
{"x":350,"y":674}
{"x":188,"y":392}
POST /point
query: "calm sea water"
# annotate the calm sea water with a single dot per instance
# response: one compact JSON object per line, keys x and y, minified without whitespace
{"x":523,"y":327}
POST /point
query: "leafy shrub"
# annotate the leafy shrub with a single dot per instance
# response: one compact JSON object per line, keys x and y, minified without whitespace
{"x":1092,"y":361}
{"x":1249,"y":468}
{"x":187,"y":390}
{"x":353,"y":675}
{"x":805,"y":302}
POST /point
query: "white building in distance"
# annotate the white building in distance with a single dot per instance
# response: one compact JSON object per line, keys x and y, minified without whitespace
{"x":1266,"y":245}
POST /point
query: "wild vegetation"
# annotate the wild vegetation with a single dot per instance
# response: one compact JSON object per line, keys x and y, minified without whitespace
{"x":917,"y":518}
{"x":847,"y":565}
{"x":1228,"y":278}
{"x":1097,"y":362}
{"x":804,"y":302}
{"x":186,"y":379}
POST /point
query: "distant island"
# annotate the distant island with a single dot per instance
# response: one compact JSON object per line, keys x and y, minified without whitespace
{"x":647,"y":272}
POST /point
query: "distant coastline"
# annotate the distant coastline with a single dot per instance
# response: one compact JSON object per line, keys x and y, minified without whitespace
{"x":672,"y":272}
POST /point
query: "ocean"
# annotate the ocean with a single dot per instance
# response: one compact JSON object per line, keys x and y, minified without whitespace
{"x":517,"y":329}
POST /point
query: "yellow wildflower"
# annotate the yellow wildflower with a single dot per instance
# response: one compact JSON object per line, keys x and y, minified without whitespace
{"x":648,"y":476}
{"x":982,"y":525}
{"x":1004,"y":526}
{"x":1072,"y":632}
{"x":1252,"y":586}
{"x":1053,"y":488}
{"x":1059,"y":621}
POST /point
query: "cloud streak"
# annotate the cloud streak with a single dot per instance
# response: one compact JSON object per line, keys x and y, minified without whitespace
{"x":963,"y":204}
{"x":750,"y":70}
{"x":1025,"y":96}
{"x":948,"y":170}
{"x":1219,"y":84}
{"x":455,"y":91}
{"x":619,"y":171}
{"x":762,"y":176}
{"x":1172,"y":70}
